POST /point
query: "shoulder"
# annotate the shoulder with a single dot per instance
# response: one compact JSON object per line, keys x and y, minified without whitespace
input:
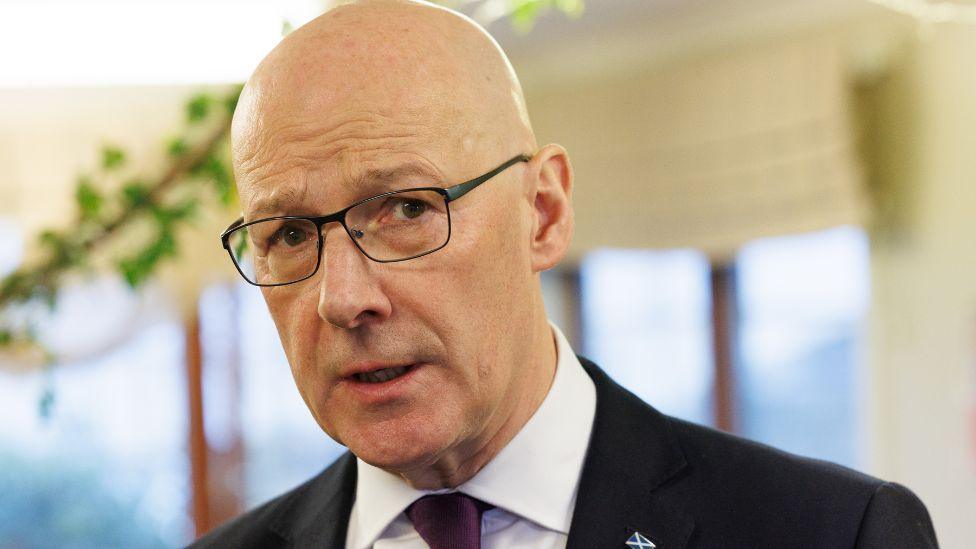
{"x":716,"y":454}
{"x":274,"y":523}
{"x":737,"y":492}
{"x":253,"y":528}
{"x":754,"y":488}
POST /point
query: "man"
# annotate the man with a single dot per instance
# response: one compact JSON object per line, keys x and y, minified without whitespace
{"x":397,"y":213}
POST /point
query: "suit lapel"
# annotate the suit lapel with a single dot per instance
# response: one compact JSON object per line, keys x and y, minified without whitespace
{"x":631,"y":453}
{"x":318,"y":514}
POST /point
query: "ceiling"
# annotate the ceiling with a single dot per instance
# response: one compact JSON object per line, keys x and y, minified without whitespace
{"x":621,"y":33}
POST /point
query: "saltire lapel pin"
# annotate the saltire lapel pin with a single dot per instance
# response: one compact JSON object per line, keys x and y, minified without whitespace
{"x":638,"y":541}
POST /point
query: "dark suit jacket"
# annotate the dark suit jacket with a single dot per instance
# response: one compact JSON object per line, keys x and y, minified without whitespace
{"x":677,"y":483}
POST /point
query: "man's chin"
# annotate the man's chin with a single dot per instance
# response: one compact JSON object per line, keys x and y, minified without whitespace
{"x":393,"y":453}
{"x":398,"y":460}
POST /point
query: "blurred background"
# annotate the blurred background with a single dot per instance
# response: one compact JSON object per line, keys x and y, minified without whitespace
{"x":775,"y":204}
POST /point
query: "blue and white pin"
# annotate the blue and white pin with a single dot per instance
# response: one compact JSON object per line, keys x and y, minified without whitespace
{"x":638,"y":541}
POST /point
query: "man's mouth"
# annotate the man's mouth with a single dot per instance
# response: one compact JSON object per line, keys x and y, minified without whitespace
{"x":382,"y":376}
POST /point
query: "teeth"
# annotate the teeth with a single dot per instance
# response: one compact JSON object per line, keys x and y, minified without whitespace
{"x":379,"y":376}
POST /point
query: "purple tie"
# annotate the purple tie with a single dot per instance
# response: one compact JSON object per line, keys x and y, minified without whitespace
{"x":448,"y":521}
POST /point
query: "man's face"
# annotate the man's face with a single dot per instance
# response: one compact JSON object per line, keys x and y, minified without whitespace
{"x":445,"y":317}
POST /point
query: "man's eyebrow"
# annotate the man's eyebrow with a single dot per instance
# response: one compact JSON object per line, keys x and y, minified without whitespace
{"x":377,"y":177}
{"x":277,"y":203}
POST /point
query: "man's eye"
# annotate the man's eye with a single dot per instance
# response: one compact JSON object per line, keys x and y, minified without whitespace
{"x":410,"y":208}
{"x":290,"y":235}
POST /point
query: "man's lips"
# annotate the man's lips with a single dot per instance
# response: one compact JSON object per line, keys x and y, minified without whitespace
{"x":376,"y":372}
{"x":378,"y":385}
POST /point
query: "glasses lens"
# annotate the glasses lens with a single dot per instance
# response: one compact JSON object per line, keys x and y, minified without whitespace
{"x":276,"y":251}
{"x":400,"y":225}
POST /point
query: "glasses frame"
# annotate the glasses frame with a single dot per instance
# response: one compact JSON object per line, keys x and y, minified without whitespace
{"x":449,"y":194}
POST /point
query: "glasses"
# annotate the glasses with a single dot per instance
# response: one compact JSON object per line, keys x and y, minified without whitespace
{"x":388,"y":227}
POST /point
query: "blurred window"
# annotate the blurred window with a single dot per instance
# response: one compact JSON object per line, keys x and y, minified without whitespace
{"x":802,"y":305}
{"x":107,"y":466}
{"x":283,"y":446}
{"x":646,"y":321}
{"x":802,"y":302}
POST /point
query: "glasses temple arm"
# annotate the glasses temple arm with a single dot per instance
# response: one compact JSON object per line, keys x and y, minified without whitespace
{"x":461,"y":189}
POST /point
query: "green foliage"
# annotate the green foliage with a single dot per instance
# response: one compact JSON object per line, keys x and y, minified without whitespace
{"x":16,"y":284}
{"x":166,"y":203}
{"x":523,"y":13}
{"x":137,"y":268}
{"x":89,"y":199}
{"x":214,"y":169}
{"x":136,"y":195}
{"x":241,"y":246}
{"x":198,"y":108}
{"x":177,"y":147}
{"x":64,"y":252}
{"x":112,"y":158}
{"x":169,"y":216}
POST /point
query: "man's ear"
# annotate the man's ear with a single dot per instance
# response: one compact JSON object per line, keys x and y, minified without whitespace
{"x":552,"y":206}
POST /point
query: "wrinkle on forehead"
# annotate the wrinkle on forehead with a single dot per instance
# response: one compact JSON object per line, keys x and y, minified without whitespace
{"x":318,"y":139}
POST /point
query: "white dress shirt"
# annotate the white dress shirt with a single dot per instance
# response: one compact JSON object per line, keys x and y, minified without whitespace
{"x":532,"y":482}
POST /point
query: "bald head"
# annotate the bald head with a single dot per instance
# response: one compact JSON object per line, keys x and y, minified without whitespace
{"x":384,"y":62}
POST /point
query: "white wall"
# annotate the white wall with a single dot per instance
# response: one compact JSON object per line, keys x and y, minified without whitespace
{"x":923,"y":350}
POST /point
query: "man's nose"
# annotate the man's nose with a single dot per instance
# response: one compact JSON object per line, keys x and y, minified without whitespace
{"x":349,"y":293}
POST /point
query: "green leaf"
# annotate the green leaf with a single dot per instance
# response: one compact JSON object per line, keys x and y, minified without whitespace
{"x":177,"y":147}
{"x":166,"y":216}
{"x":50,"y":238}
{"x":214,"y":169}
{"x":112,"y":158}
{"x":136,"y":195}
{"x":165,"y":246}
{"x":138,"y":268}
{"x":88,"y":198}
{"x":524,"y":13}
{"x":198,"y":108}
{"x":183,"y":210}
{"x":130,"y":272}
{"x":16,"y":286}
{"x":572,"y":8}
{"x":241,"y":246}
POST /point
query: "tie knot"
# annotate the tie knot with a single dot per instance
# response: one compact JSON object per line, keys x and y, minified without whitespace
{"x":448,"y":521}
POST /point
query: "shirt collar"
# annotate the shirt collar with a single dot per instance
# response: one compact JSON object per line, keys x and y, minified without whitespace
{"x":535,"y":476}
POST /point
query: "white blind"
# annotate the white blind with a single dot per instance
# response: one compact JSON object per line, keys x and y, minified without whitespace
{"x":712,"y":152}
